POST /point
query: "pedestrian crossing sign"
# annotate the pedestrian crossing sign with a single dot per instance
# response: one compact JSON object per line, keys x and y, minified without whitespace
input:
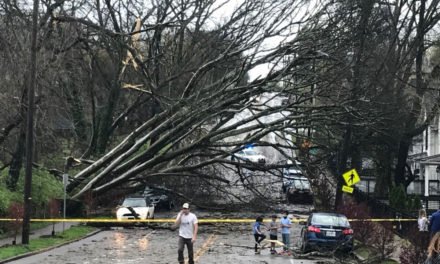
{"x":351,"y":177}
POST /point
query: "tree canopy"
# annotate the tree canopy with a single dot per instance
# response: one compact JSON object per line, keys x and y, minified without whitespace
{"x":134,"y":92}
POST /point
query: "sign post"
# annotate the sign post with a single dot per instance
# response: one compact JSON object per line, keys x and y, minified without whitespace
{"x":65,"y":182}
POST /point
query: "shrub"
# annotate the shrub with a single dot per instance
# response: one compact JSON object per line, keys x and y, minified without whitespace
{"x":402,"y":202}
{"x":16,"y":212}
{"x":362,"y":229}
{"x":44,"y":188}
{"x":7,"y":198}
{"x":416,"y":250}
{"x":376,"y":235}
{"x":398,"y":198}
{"x":382,"y":239}
{"x":54,"y":212}
{"x":412,"y":254}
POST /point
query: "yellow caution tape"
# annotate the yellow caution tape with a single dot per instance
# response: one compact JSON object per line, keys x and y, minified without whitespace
{"x":172,"y":220}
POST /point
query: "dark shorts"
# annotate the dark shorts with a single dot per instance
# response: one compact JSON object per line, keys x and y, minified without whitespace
{"x":273,"y":237}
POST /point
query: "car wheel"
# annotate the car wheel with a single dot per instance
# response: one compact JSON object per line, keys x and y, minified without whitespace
{"x":304,"y":247}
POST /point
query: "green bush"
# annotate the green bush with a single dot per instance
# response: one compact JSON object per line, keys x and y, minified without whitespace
{"x":402,"y":202}
{"x":7,"y":197}
{"x":398,"y":198}
{"x":44,"y":188}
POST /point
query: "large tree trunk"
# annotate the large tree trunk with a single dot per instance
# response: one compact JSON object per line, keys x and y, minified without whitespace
{"x":77,"y":109}
{"x":383,"y":172}
{"x":399,"y":174}
{"x":342,"y":165}
{"x":106,"y":119}
{"x":402,"y":155}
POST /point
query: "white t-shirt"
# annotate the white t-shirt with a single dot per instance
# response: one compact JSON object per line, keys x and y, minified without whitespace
{"x":187,"y":222}
{"x":423,"y":224}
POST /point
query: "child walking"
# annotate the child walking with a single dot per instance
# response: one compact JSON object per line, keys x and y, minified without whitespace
{"x":273,"y":233}
{"x":258,"y":234}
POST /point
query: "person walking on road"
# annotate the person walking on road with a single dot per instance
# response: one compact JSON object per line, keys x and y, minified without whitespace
{"x":273,"y":233}
{"x":434,"y":250}
{"x":188,"y":227}
{"x":258,"y":233}
{"x":286,"y":224}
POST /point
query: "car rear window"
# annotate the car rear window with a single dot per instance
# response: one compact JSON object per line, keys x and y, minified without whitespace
{"x":134,"y":203}
{"x":332,"y":220}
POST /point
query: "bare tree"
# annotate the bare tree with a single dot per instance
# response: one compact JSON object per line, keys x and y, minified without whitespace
{"x":381,"y":45}
{"x":194,"y":64}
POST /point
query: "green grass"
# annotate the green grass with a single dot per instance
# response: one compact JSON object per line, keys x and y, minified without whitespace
{"x":73,"y":233}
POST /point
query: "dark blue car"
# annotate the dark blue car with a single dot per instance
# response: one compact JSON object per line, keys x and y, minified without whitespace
{"x":326,"y":231}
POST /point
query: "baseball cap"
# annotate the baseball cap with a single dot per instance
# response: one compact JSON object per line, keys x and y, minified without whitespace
{"x":185,"y":205}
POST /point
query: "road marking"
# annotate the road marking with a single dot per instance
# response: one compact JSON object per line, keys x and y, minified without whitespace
{"x":202,"y":250}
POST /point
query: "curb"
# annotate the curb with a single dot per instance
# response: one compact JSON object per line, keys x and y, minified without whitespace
{"x":49,"y":248}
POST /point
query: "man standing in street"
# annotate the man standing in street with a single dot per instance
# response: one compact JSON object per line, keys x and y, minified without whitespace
{"x":286,"y":224}
{"x":188,"y":228}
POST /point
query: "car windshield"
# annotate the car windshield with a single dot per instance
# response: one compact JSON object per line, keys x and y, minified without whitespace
{"x":138,"y":202}
{"x":301,"y":183}
{"x":332,"y":220}
{"x":249,"y":152}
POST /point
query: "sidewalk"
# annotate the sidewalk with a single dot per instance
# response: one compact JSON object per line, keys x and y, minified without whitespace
{"x":46,"y":231}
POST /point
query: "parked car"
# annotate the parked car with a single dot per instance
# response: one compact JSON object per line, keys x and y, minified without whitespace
{"x":289,"y":174}
{"x":248,"y":155}
{"x":160,"y":198}
{"x":326,"y":231}
{"x":299,"y":190}
{"x":135,"y":208}
{"x":162,"y":201}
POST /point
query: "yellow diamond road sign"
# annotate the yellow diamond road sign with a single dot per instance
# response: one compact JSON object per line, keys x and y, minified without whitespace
{"x":351,"y":177}
{"x":347,"y":189}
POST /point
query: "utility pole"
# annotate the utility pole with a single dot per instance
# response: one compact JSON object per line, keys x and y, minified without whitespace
{"x":32,"y":82}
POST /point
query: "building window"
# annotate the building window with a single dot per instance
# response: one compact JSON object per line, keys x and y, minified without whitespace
{"x":434,"y":187}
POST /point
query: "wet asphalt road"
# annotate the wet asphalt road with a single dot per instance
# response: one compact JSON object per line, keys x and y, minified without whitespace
{"x":215,"y":244}
{"x":221,"y":243}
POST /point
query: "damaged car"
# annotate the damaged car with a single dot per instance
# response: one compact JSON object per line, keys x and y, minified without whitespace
{"x":135,"y":208}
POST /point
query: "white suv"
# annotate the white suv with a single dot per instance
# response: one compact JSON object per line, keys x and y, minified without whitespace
{"x":248,"y":155}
